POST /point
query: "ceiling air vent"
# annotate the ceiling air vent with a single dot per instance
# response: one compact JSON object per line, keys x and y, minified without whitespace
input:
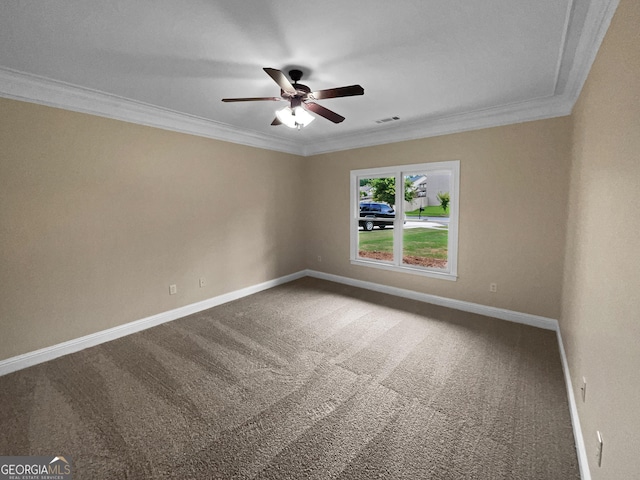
{"x":389,"y":119}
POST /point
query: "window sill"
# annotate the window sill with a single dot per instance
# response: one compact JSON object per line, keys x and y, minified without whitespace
{"x":405,"y":269}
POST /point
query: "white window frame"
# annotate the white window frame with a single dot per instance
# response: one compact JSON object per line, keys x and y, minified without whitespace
{"x":399,"y":172}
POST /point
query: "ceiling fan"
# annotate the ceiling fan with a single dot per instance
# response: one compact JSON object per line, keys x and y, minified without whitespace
{"x":300,"y":97}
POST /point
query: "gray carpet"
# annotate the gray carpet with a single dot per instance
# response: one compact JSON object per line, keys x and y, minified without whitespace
{"x":307,"y":380}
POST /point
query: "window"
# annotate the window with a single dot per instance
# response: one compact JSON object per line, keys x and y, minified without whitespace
{"x":405,"y":218}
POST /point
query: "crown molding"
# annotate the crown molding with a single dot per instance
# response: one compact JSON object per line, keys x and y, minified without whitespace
{"x":597,"y":21}
{"x":583,"y":41}
{"x":44,"y":91}
{"x":538,"y":109}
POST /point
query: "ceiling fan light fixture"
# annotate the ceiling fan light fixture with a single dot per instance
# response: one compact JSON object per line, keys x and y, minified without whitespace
{"x":300,"y":100}
{"x":297,"y":117}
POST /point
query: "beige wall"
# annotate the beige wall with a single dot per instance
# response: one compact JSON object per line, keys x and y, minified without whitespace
{"x":513,"y":195}
{"x":98,"y":217}
{"x":600,"y":320}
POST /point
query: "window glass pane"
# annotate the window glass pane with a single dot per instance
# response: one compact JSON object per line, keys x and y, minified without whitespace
{"x":376,"y":217}
{"x":425,"y":234}
{"x":416,"y":235}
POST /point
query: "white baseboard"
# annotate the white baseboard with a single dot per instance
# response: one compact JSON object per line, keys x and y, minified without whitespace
{"x":501,"y":313}
{"x":33,"y":358}
{"x":583,"y":462}
{"x":49,"y":353}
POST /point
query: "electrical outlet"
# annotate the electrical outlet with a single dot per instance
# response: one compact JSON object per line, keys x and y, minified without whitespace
{"x":319,"y":258}
{"x":583,"y":389}
{"x":599,"y":449}
{"x":203,"y":282}
{"x":173,"y":289}
{"x":493,"y":287}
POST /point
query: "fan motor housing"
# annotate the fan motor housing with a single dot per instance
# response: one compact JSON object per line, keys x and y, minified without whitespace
{"x":301,"y":91}
{"x":295,"y":74}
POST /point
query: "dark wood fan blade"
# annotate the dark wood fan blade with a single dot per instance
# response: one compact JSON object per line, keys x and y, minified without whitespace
{"x":349,"y":91}
{"x":276,"y":121}
{"x":281,"y":79}
{"x":250,"y":99}
{"x":324,"y":112}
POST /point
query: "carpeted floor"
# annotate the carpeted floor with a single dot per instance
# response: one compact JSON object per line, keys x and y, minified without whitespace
{"x":307,"y":380}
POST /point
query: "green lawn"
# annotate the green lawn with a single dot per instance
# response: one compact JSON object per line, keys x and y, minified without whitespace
{"x":419,"y":242}
{"x":433,"y":211}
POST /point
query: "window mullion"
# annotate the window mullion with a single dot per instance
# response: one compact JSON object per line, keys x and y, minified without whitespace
{"x":397,"y":224}
{"x":354,"y":217}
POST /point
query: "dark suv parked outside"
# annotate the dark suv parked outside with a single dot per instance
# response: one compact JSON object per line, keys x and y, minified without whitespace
{"x":373,"y":214}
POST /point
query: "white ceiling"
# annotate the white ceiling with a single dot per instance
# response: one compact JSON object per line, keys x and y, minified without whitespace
{"x":441,"y":66}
